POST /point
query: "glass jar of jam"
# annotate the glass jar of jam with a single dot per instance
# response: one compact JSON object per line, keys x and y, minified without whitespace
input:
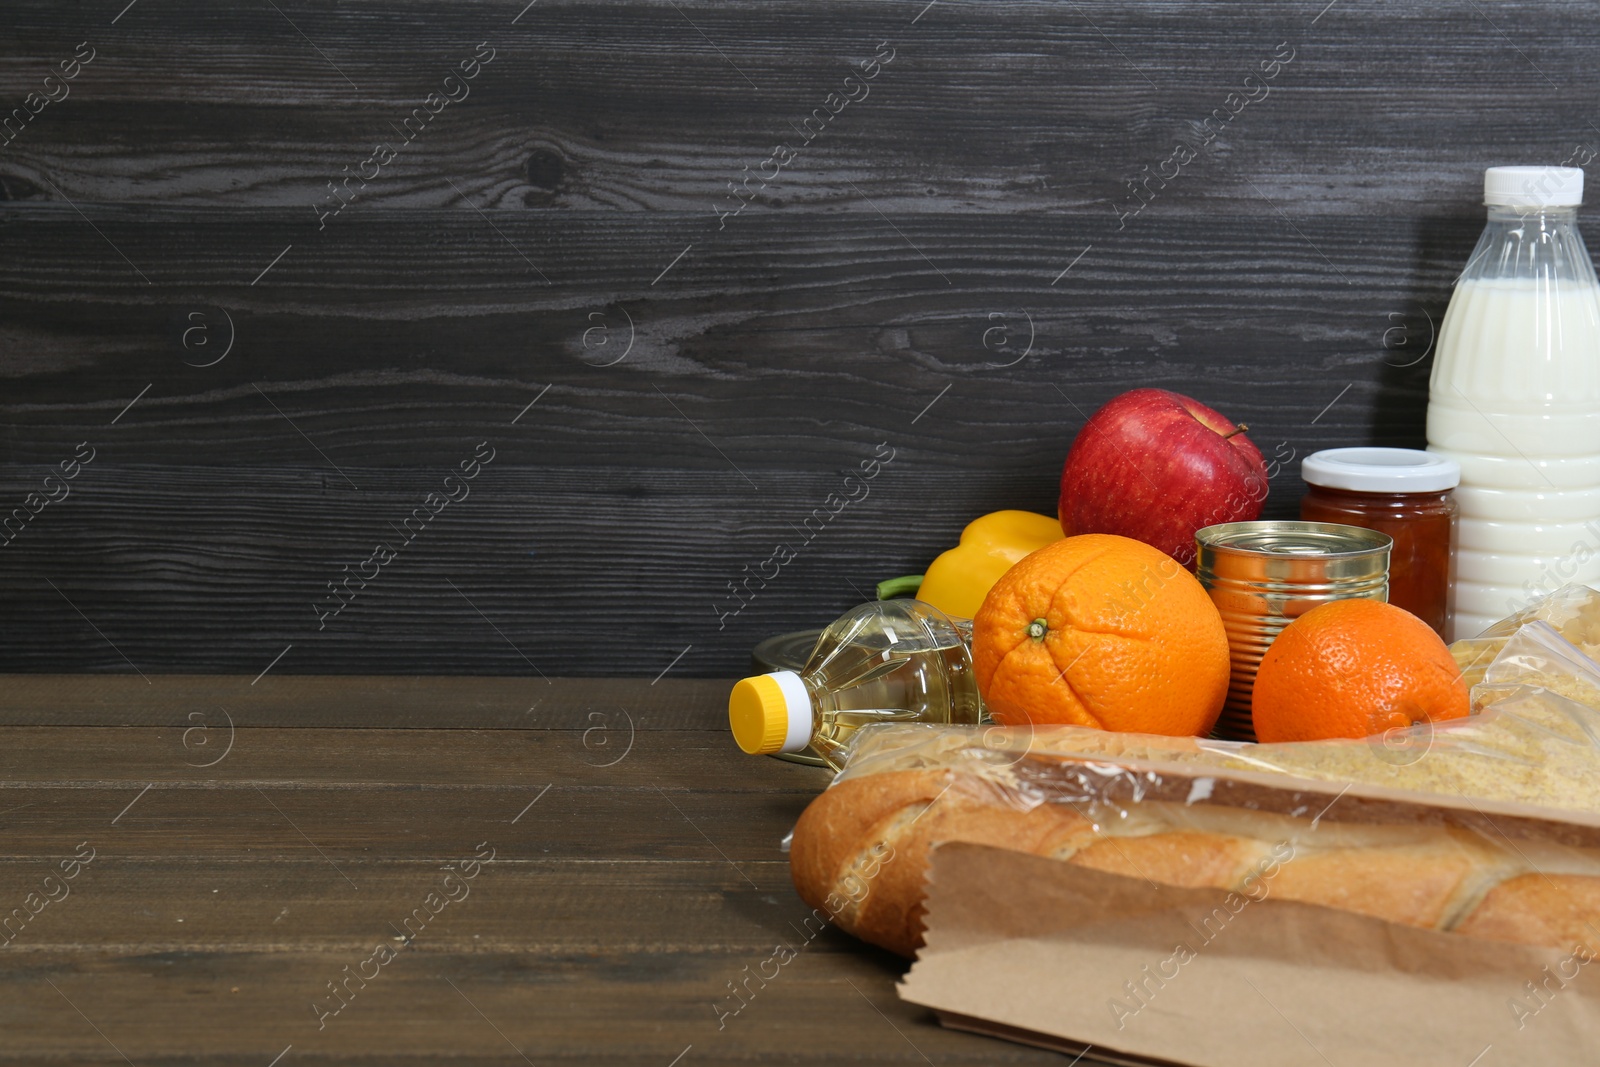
{"x":1405,"y":493}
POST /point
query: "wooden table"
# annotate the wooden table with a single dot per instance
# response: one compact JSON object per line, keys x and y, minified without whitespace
{"x":328,"y":837}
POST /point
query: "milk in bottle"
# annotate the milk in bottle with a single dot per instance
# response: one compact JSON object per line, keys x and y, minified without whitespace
{"x":1514,"y":398}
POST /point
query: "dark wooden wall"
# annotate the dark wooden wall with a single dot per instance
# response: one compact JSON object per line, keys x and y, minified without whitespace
{"x":940,"y":275}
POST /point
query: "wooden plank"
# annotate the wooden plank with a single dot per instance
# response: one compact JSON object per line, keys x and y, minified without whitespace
{"x":480,"y":1008}
{"x":170,"y":588}
{"x":607,"y":481}
{"x":209,"y":903}
{"x":621,"y":909}
{"x":213,"y":589}
{"x":605,"y":709}
{"x":490,"y":757}
{"x":998,"y":107}
{"x":435,"y":824}
{"x":332,"y":793}
{"x":1293,"y":276}
{"x":853,"y":327}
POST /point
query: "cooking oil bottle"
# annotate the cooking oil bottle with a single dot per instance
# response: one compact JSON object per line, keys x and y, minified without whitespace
{"x":892,"y":661}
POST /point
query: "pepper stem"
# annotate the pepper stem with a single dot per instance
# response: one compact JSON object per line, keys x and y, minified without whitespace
{"x":905,"y":585}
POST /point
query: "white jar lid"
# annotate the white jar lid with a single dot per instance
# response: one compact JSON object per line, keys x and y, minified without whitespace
{"x":1380,"y":470}
{"x":1530,"y":188}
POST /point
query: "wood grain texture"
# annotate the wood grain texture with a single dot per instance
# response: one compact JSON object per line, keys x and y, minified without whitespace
{"x":617,"y":908}
{"x":604,"y":708}
{"x":942,"y":271}
{"x":620,"y":506}
{"x":481,"y":1008}
{"x":995,"y":107}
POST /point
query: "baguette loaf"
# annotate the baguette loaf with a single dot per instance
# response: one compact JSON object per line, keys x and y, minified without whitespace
{"x":860,"y":853}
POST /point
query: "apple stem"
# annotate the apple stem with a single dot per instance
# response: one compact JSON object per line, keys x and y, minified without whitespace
{"x":1242,"y":428}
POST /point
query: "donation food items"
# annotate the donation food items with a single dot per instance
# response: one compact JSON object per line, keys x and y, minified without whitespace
{"x":1355,"y":668}
{"x":1157,"y":466}
{"x":1482,"y":826}
{"x":1473,"y":769}
{"x":1105,"y":630}
{"x":1101,"y":630}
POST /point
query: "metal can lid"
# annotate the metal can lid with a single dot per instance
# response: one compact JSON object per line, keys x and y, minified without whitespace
{"x":1290,"y":539}
{"x":1381,"y":470}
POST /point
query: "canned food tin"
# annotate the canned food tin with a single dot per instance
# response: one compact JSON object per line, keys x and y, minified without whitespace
{"x":1264,"y":575}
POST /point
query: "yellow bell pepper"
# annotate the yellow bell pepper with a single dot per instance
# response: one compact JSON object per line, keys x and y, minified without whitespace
{"x":960,"y":578}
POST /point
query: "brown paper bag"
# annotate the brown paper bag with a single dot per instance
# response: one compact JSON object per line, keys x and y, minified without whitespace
{"x":1067,"y":957}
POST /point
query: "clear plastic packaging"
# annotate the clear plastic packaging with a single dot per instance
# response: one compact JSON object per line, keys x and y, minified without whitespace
{"x":1573,"y":610}
{"x":1534,"y":737}
{"x":1486,"y":826}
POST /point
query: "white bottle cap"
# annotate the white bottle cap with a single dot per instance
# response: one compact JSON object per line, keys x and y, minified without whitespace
{"x":1380,"y":470}
{"x":797,"y":733}
{"x":1531,"y":188}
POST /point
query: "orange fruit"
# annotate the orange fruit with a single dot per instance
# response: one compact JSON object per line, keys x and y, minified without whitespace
{"x":1104,"y":631}
{"x":1354,"y":668}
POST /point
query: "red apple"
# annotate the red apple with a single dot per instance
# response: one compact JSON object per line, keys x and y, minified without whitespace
{"x":1157,"y":466}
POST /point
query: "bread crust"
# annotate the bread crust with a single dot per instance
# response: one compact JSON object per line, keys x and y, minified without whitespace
{"x":860,"y":854}
{"x":1555,"y":910}
{"x":1181,"y":858}
{"x":860,"y":850}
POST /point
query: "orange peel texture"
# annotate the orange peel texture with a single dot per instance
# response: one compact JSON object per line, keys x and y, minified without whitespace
{"x":1102,"y":631}
{"x":1354,"y":668}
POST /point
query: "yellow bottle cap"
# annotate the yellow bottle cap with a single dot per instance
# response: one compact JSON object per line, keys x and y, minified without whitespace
{"x":770,"y":713}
